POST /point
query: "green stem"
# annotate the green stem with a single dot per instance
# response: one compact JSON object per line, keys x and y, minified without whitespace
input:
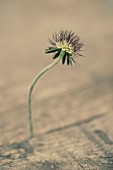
{"x":31,"y":90}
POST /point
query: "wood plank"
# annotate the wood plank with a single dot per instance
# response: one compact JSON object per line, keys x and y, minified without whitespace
{"x":72,"y":106}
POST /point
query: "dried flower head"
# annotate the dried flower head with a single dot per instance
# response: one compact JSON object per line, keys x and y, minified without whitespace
{"x":65,"y":45}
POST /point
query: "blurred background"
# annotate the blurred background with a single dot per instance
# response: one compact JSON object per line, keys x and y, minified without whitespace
{"x":65,"y":94}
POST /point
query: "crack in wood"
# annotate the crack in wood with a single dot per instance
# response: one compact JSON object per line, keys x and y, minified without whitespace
{"x":102,"y":135}
{"x":79,"y":123}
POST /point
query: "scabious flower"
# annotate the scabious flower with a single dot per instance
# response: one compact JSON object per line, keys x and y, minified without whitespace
{"x":65,"y":45}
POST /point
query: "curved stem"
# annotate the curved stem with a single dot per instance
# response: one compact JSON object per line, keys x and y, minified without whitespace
{"x":31,"y":89}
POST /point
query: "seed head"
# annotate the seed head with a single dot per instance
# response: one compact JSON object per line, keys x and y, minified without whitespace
{"x":65,"y":45}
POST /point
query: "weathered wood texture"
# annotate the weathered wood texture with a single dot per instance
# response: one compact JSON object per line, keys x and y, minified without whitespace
{"x":72,"y":106}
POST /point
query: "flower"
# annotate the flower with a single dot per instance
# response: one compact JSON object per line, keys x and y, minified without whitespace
{"x":65,"y":45}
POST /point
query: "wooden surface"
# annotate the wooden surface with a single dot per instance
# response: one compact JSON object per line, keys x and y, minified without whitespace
{"x":72,"y":106}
